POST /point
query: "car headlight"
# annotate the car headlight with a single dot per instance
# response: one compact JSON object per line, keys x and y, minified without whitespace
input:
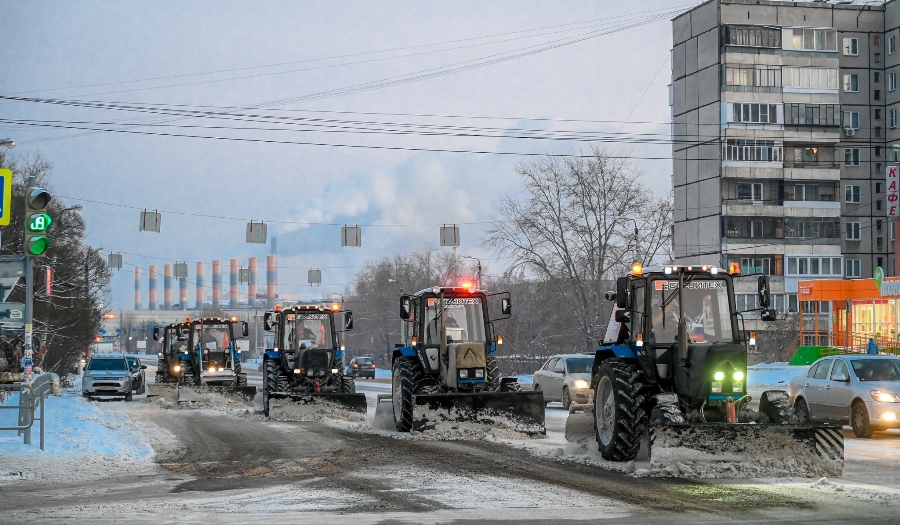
{"x":581,"y":383}
{"x":885,"y":397}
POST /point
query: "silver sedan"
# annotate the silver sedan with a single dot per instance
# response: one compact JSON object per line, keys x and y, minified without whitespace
{"x":860,"y":390}
{"x":565,"y":378}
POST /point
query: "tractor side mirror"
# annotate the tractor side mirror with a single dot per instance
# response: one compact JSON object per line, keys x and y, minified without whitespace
{"x":768,"y":314}
{"x":156,"y":333}
{"x":622,"y":316}
{"x":244,"y":328}
{"x":762,"y":291}
{"x":506,"y":306}
{"x":622,"y":297}
{"x":404,"y":307}
{"x":610,"y":296}
{"x":269,"y":321}
{"x":348,"y":320}
{"x":143,"y":367}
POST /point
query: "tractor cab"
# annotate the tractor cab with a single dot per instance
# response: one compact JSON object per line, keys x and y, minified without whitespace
{"x":208,"y":351}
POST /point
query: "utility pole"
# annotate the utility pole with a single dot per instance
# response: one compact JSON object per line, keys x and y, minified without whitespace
{"x":637,"y":250}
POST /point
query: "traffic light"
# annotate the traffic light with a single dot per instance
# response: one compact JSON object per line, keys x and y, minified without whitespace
{"x":37,"y":220}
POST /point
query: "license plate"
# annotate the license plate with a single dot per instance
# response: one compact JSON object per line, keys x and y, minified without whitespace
{"x":106,"y":388}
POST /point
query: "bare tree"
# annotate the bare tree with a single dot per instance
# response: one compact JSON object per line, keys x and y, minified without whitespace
{"x":565,"y":231}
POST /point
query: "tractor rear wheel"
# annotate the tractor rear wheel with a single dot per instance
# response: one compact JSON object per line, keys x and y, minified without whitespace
{"x":493,"y":373}
{"x":242,"y":380}
{"x":405,"y":377}
{"x":187,"y":375}
{"x":618,"y":410}
{"x":348,"y":385}
{"x":162,"y":370}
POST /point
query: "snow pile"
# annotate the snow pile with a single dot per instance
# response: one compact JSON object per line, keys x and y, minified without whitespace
{"x":317,"y":409}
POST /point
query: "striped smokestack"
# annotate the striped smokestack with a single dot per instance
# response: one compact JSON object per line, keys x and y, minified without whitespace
{"x":217,"y":284}
{"x":152,"y":294}
{"x":251,"y":287}
{"x":167,"y":287}
{"x":182,"y":294}
{"x":233,"y":281}
{"x":137,"y":288}
{"x":270,"y":281}
{"x":199,"y":286}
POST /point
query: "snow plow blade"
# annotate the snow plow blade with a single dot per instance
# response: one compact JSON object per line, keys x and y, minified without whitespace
{"x":281,"y":405}
{"x":191,"y":394}
{"x":747,"y":450}
{"x":519,"y":411}
{"x":163,"y":390}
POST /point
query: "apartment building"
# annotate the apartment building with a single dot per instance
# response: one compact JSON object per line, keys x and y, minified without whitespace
{"x":784,"y":114}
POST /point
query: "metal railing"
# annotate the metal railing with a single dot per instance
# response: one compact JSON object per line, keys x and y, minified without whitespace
{"x":31,"y":396}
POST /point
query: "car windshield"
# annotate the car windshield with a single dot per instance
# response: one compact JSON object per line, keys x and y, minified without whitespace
{"x":364,"y":360}
{"x":107,"y":364}
{"x":463,"y":320}
{"x":707,"y":308}
{"x":133,"y":362}
{"x":877,"y":369}
{"x":580,"y":365}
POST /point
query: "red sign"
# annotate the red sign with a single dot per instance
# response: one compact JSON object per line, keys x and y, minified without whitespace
{"x":892,"y":180}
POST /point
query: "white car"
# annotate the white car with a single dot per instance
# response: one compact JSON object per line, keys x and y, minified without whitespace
{"x":565,"y":378}
{"x":860,"y":390}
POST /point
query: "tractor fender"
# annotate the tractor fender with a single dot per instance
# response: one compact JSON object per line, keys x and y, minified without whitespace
{"x":273,"y":354}
{"x":409,"y":351}
{"x":623,"y":352}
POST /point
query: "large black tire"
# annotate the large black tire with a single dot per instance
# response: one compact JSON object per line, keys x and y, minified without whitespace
{"x":512,"y":387}
{"x":405,"y":377}
{"x":566,"y":398}
{"x":162,"y":371}
{"x":493,"y":373}
{"x":802,"y":411}
{"x":618,"y":410}
{"x":348,"y":385}
{"x":241,"y":380}
{"x":128,"y":396}
{"x":267,"y":389}
{"x":782,"y":413}
{"x":859,"y":420}
{"x":187,"y":375}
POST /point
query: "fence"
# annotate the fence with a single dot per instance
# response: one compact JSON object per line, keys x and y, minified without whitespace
{"x":30,"y":397}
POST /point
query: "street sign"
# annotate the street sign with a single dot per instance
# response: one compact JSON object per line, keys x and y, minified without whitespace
{"x":12,"y":314}
{"x":5,"y":196}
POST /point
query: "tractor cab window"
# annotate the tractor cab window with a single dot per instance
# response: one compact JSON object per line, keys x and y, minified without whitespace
{"x":707,"y":310}
{"x":313,"y":330}
{"x":463,"y":320}
{"x":212,"y":337}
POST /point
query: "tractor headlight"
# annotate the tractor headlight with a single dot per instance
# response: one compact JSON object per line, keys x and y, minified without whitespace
{"x":719,"y":376}
{"x":716,"y":387}
{"x":298,"y":370}
{"x":580,"y":383}
{"x":885,"y":397}
{"x":334,"y":370}
{"x":738,"y":376}
{"x":479,"y":374}
{"x":212,"y":369}
{"x":737,"y":386}
{"x":463,"y":374}
{"x":176,"y":368}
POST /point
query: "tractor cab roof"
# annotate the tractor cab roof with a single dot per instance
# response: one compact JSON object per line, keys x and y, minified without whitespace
{"x":697,"y":269}
{"x":310,"y":307}
{"x":449,"y":290}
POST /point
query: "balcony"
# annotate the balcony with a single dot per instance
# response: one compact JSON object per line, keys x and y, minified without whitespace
{"x":819,"y":171}
{"x":752,"y":89}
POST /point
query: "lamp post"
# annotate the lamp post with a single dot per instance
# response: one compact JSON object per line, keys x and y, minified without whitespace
{"x":478,"y":277}
{"x":637,"y":253}
{"x":8,"y":143}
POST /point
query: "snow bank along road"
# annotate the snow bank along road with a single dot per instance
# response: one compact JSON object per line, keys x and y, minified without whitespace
{"x":224,"y":463}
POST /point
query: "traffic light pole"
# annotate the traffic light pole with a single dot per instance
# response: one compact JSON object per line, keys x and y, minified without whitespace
{"x":28,"y":314}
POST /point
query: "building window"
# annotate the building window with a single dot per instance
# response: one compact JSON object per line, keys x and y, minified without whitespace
{"x":811,"y":228}
{"x":877,"y":58}
{"x":813,"y":266}
{"x":877,"y":148}
{"x":878,"y":205}
{"x":878,"y":135}
{"x":892,"y":118}
{"x":752,"y":150}
{"x":877,"y":170}
{"x":876,"y":40}
{"x":752,"y":113}
{"x":810,"y":77}
{"x":851,"y":193}
{"x":851,"y":83}
{"x":877,"y":77}
{"x":879,"y":262}
{"x":879,"y":224}
{"x":877,"y":95}
{"x":892,"y":45}
{"x":851,"y":46}
{"x":877,"y":114}
{"x":805,"y":39}
{"x":853,"y":268}
{"x":806,"y":192}
{"x":756,"y":265}
{"x":853,"y":231}
{"x":879,"y":244}
{"x":750,"y":191}
{"x":799,"y":114}
{"x":753,"y":76}
{"x":751,"y":36}
{"x":892,"y":81}
{"x":851,"y":157}
{"x":851,"y":119}
{"x":878,"y":184}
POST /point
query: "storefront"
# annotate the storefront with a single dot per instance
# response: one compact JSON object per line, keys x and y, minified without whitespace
{"x":845,"y":313}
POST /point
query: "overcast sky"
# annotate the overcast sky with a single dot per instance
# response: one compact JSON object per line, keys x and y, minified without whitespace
{"x":299,"y":74}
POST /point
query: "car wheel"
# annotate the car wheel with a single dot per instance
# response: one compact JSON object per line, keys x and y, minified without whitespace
{"x":859,"y":420}
{"x":566,"y":398}
{"x":802,"y":410}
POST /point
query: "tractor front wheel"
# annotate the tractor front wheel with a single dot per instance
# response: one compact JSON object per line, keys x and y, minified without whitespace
{"x":618,"y":413}
{"x":405,"y":377}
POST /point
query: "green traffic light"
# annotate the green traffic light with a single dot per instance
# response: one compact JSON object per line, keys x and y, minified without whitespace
{"x":38,"y":245}
{"x":39,"y":222}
